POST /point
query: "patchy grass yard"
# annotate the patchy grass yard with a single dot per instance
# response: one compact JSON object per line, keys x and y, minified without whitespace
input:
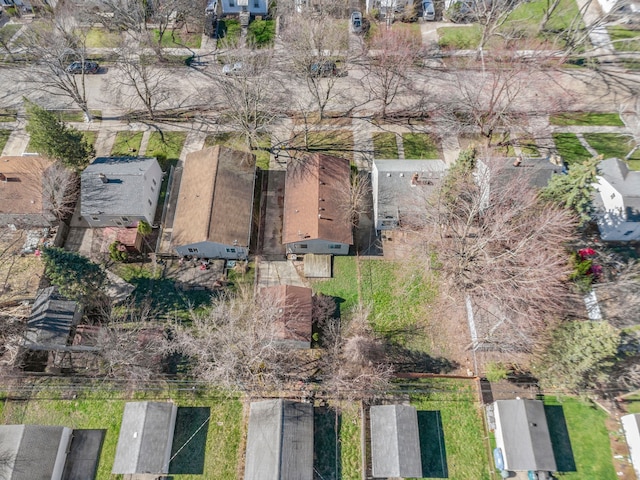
{"x":385,"y":145}
{"x":459,"y":38}
{"x":420,"y":146}
{"x":98,"y":409}
{"x":527,"y":16}
{"x":166,"y":147}
{"x":624,"y":39}
{"x":586,"y":119}
{"x":612,"y":145}
{"x":4,"y":137}
{"x":76,"y":115}
{"x":632,"y":403}
{"x":127,"y":144}
{"x":90,"y":136}
{"x":337,"y":441}
{"x":237,"y":141}
{"x":570,"y":148}
{"x":102,"y":38}
{"x":229,"y":32}
{"x":338,"y":143}
{"x":9,"y":30}
{"x":588,"y":446}
{"x":397,"y":294}
{"x":8,"y":115}
{"x":462,"y":455}
{"x":177,"y":39}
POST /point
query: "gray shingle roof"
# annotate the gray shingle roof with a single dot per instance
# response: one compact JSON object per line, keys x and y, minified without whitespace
{"x":280,"y":441}
{"x":32,"y":451}
{"x":51,"y":319}
{"x":122,"y":194}
{"x":146,"y":436}
{"x":395,"y":441}
{"x":523,"y":435}
{"x":626,"y":182}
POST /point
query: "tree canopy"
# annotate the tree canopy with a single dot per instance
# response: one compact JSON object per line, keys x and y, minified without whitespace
{"x":51,"y":137}
{"x":574,"y":190}
{"x":76,"y":276}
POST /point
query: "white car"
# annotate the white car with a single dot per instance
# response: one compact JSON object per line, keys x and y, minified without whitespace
{"x":356,"y":22}
{"x":428,"y":10}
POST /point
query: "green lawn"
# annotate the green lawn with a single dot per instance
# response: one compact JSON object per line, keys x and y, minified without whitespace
{"x":177,"y":39}
{"x":98,"y":37}
{"x":127,"y":144}
{"x":76,"y":115}
{"x":4,"y":137}
{"x":385,"y":145}
{"x":336,"y":437}
{"x":624,"y":39}
{"x":570,"y":148}
{"x":459,"y":38}
{"x":589,"y":439}
{"x":451,"y":413}
{"x":632,"y":403}
{"x":90,"y":136}
{"x":99,"y":410}
{"x":420,"y":146}
{"x":586,"y":119}
{"x":237,"y":141}
{"x":9,"y":30}
{"x":166,"y":147}
{"x":396,"y":293}
{"x":229,"y":32}
{"x":612,"y":145}
{"x":261,"y":33}
{"x":8,"y":115}
{"x":351,"y":456}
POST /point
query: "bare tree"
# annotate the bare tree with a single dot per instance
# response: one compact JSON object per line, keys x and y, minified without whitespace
{"x":53,"y":46}
{"x":60,"y":187}
{"x":357,"y":200}
{"x":496,"y":243}
{"x":392,"y":56}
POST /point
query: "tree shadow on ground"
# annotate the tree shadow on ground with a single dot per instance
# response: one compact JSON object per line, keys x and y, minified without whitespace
{"x":326,"y":447}
{"x":416,"y":361}
{"x":433,"y":452}
{"x":189,"y":441}
{"x":560,"y":440}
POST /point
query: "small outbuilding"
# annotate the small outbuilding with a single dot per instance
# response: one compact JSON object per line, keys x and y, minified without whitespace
{"x":523,"y":442}
{"x":146,"y":437}
{"x":395,"y":441}
{"x":280,"y":441}
{"x":294,"y":316}
{"x":631,"y":425}
{"x":52,"y":317}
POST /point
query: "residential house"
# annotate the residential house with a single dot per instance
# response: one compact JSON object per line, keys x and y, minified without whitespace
{"x":24,"y":199}
{"x":39,"y":452}
{"x":315,"y":218}
{"x":214,"y":211}
{"x":617,"y":201}
{"x":253,"y":7}
{"x":395,"y":442}
{"x":295,"y":307}
{"x":120,"y":191}
{"x":279,"y":441}
{"x":52,"y":317}
{"x":400,"y":188}
{"x":146,"y":437}
{"x":523,"y":442}
{"x":631,"y":426}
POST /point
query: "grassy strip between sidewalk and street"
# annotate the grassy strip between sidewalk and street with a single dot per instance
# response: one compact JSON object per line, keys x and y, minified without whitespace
{"x":624,"y":39}
{"x":586,"y":119}
{"x":8,"y":115}
{"x":178,"y":39}
{"x":4,"y":137}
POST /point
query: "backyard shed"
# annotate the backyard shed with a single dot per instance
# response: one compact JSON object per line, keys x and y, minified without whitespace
{"x":395,"y":441}
{"x":50,"y":322}
{"x":146,"y":437}
{"x":631,"y":425}
{"x":317,"y":266}
{"x":294,"y":314}
{"x":522,"y":435}
{"x":280,"y":441}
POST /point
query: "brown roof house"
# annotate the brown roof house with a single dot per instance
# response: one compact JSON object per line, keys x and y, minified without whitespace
{"x":294,"y":316}
{"x":214,"y":211}
{"x":314,"y":214}
{"x":23,"y":199}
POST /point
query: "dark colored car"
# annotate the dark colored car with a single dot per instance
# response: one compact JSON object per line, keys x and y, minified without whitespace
{"x":80,"y":67}
{"x":324,"y":68}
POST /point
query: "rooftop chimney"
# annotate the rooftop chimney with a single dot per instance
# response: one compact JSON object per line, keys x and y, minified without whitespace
{"x":104,"y":178}
{"x":3,"y":177}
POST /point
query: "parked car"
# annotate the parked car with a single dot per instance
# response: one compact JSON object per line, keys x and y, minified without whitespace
{"x":83,"y":67}
{"x":428,"y":10}
{"x":323,"y":68}
{"x":236,"y":68}
{"x":356,"y":22}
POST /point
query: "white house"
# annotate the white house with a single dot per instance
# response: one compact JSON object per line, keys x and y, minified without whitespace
{"x":631,"y":425}
{"x":120,"y":191}
{"x":214,"y":212}
{"x":400,"y":188}
{"x":617,"y":201}
{"x":254,"y":7}
{"x":315,"y":219}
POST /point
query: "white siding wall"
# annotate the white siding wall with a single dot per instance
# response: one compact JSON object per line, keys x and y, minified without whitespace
{"x":613,"y":224}
{"x":318,"y":246}
{"x":255,"y":7}
{"x":61,"y":457}
{"x":632,"y":434}
{"x":374,"y":188}
{"x":151,"y":191}
{"x":213,"y":250}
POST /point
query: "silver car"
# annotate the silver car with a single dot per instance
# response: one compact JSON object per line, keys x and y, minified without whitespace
{"x":428,"y":10}
{"x":356,"y":22}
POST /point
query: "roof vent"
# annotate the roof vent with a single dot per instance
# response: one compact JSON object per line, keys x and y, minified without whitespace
{"x":103,"y":178}
{"x":320,"y":215}
{"x":388,"y":174}
{"x":3,"y":177}
{"x":402,"y":174}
